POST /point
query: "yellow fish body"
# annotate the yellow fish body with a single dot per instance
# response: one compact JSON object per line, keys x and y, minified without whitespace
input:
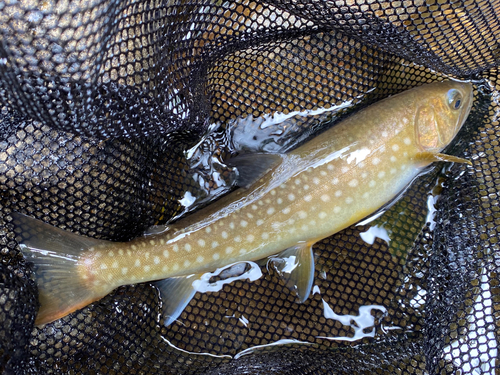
{"x":320,"y":188}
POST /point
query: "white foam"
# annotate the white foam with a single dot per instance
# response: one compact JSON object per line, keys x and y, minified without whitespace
{"x":204,"y":285}
{"x":375,"y":232}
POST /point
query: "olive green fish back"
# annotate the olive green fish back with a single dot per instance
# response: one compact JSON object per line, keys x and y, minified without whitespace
{"x":99,"y":101}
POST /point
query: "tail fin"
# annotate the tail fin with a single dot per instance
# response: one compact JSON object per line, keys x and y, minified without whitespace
{"x":55,"y":253}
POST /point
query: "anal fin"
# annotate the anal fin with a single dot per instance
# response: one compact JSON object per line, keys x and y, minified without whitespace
{"x":296,"y":266}
{"x":176,"y":293}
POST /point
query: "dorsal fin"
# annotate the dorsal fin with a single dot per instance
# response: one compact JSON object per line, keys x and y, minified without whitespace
{"x":252,"y":167}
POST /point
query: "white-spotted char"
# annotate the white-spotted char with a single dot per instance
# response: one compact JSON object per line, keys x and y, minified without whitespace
{"x":333,"y":181}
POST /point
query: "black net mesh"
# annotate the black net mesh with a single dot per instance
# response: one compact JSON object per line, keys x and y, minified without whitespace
{"x":99,"y":101}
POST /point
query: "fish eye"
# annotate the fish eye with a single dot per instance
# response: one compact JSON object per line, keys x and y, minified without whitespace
{"x":454,"y":99}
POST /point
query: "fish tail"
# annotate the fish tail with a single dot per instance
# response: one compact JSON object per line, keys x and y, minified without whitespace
{"x":56,"y":256}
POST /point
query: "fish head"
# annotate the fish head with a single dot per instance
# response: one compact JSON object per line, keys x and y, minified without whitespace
{"x":441,"y":111}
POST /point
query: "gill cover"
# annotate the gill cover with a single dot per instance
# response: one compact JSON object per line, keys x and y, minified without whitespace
{"x":439,"y":118}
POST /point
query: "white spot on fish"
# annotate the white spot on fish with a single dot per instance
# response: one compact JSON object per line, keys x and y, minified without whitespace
{"x":111,"y":254}
{"x":156,"y":260}
{"x":231,"y":225}
{"x":146,"y":268}
{"x":164,"y":269}
{"x":273,"y":192}
{"x":243,"y":223}
{"x":375,"y":161}
{"x":323,"y":173}
{"x":306,"y":187}
{"x":366,"y":195}
{"x":237,"y":239}
{"x":316,"y":180}
{"x":270,"y":211}
{"x":187,"y":247}
{"x":115,"y":264}
{"x":308,"y":198}
{"x":297,"y":181}
{"x":120,"y":252}
{"x":322,"y":215}
{"x":344,"y":169}
{"x":254,"y":207}
{"x":364,"y":175}
{"x":229,"y":250}
{"x":325,"y":198}
{"x":393,"y":170}
{"x":385,"y":134}
{"x":152,"y":242}
{"x":381,"y":174}
{"x":187,"y":263}
{"x":286,"y":211}
{"x":304,"y":227}
{"x":265,"y":236}
{"x":329,"y":167}
{"x":393,"y":159}
{"x":166,"y":253}
{"x":407,"y":141}
{"x":302,"y":214}
{"x":215,"y":244}
{"x":279,"y":200}
{"x":104,"y":266}
{"x":372,"y":183}
{"x":395,"y":147}
{"x":259,"y":222}
{"x":353,"y":183}
{"x":250,"y":238}
{"x":224,"y":234}
{"x":175,"y":248}
{"x":215,"y":256}
{"x":176,"y":267}
{"x":201,"y":243}
{"x":335,"y":181}
{"x":338,"y":193}
{"x":349,"y":200}
{"x":336,"y":209}
{"x":133,"y":247}
{"x":124,"y":270}
{"x":243,"y":251}
{"x":208,"y":229}
{"x":137,"y":263}
{"x":291,"y":197}
{"x":200,"y":259}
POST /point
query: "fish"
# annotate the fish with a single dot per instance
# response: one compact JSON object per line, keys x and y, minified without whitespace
{"x":286,"y":203}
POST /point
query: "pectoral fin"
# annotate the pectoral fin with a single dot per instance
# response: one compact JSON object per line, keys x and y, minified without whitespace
{"x":296,"y":266}
{"x":436,"y":156}
{"x":175,"y":293}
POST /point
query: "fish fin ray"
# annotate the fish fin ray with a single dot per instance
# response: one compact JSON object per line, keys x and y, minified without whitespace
{"x":175,"y":294}
{"x":436,"y":156}
{"x":157,"y":229}
{"x":299,"y":276}
{"x":252,"y":167}
{"x":54,"y":254}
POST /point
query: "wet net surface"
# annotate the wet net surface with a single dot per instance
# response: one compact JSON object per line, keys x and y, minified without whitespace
{"x":100,"y":99}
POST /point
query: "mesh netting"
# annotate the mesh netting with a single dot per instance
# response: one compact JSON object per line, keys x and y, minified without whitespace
{"x":99,"y":101}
